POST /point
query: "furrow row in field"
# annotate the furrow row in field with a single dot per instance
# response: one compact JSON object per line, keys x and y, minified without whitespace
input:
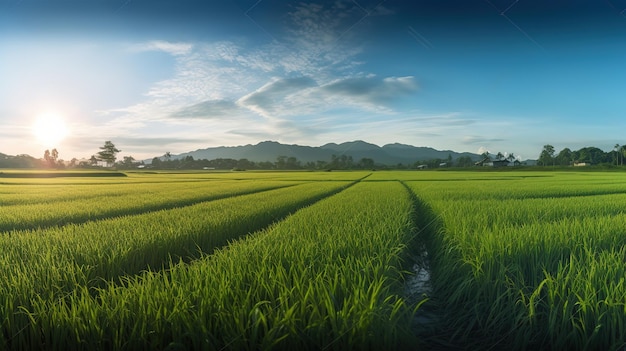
{"x":327,"y":277}
{"x":465,"y":186}
{"x":47,"y":192}
{"x":520,"y":190}
{"x":49,"y":264}
{"x":29,"y":194}
{"x":541,"y":273}
{"x":481,"y":215}
{"x":81,"y":210}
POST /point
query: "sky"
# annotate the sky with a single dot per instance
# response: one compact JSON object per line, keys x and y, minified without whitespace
{"x":157,"y":76}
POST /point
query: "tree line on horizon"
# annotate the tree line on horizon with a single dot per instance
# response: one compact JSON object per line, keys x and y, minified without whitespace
{"x":107,"y":157}
{"x":587,"y":155}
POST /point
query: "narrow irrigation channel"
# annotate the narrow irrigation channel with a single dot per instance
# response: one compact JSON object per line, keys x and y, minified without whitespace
{"x":418,"y":286}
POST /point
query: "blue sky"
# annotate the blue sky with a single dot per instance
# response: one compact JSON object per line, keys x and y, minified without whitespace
{"x":177,"y":75}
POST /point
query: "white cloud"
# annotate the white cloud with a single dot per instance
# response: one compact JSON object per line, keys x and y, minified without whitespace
{"x":175,"y":49}
{"x":287,"y":88}
{"x":303,"y":96}
{"x":270,"y":99}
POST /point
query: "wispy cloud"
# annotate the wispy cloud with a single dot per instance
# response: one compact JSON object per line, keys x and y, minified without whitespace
{"x":270,"y":98}
{"x":371,"y":89}
{"x":318,"y":26}
{"x":210,"y":109}
{"x":310,"y":38}
{"x":286,"y":88}
{"x":303,"y":96}
{"x":176,"y":49}
{"x":480,"y":140}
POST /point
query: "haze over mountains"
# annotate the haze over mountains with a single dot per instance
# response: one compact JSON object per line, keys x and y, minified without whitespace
{"x":390,"y":154}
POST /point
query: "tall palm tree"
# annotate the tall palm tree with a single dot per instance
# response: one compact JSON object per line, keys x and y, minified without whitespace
{"x":617,"y":152}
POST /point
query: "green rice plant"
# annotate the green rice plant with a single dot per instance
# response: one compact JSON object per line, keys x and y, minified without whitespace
{"x":519,"y":260}
{"x":329,"y":277}
{"x":155,"y":185}
{"x":22,"y":194}
{"x":50,"y":264}
{"x":529,"y":273}
{"x":133,"y":199}
{"x":581,"y":306}
{"x":511,"y":185}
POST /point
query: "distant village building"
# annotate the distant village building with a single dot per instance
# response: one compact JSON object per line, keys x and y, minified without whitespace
{"x":422,"y":166}
{"x":486,"y":162}
{"x":582,"y":164}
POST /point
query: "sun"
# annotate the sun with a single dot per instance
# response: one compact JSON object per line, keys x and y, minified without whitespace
{"x":50,"y":129}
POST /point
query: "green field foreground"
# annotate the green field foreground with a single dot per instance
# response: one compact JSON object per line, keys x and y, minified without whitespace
{"x":314,"y":260}
{"x":533,"y":261}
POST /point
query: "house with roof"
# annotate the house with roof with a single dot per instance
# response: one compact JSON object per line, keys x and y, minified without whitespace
{"x":487,"y":162}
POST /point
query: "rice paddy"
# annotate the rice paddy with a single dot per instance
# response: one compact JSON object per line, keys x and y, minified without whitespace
{"x":314,"y":260}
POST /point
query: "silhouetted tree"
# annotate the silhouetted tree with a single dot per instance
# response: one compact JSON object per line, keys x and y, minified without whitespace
{"x":547,"y":155}
{"x":156,"y":162}
{"x":594,"y":155}
{"x":464,"y":161}
{"x":46,"y":157}
{"x":564,"y":158}
{"x":292,"y":163}
{"x":128,"y":161}
{"x":321,"y":164}
{"x":281,"y":162}
{"x":51,"y":157}
{"x":366,"y":163}
{"x":108,"y":153}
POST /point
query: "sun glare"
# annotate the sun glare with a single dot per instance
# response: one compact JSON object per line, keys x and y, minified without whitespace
{"x":50,"y":129}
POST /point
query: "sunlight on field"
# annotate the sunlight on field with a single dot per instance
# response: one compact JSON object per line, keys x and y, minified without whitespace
{"x":262,"y":260}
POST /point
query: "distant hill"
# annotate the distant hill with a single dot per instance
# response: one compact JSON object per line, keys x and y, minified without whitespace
{"x":390,"y":154}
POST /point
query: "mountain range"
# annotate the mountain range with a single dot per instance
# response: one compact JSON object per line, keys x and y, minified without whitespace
{"x":390,"y":154}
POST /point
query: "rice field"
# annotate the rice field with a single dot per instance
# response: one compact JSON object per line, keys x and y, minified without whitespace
{"x":314,"y":260}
